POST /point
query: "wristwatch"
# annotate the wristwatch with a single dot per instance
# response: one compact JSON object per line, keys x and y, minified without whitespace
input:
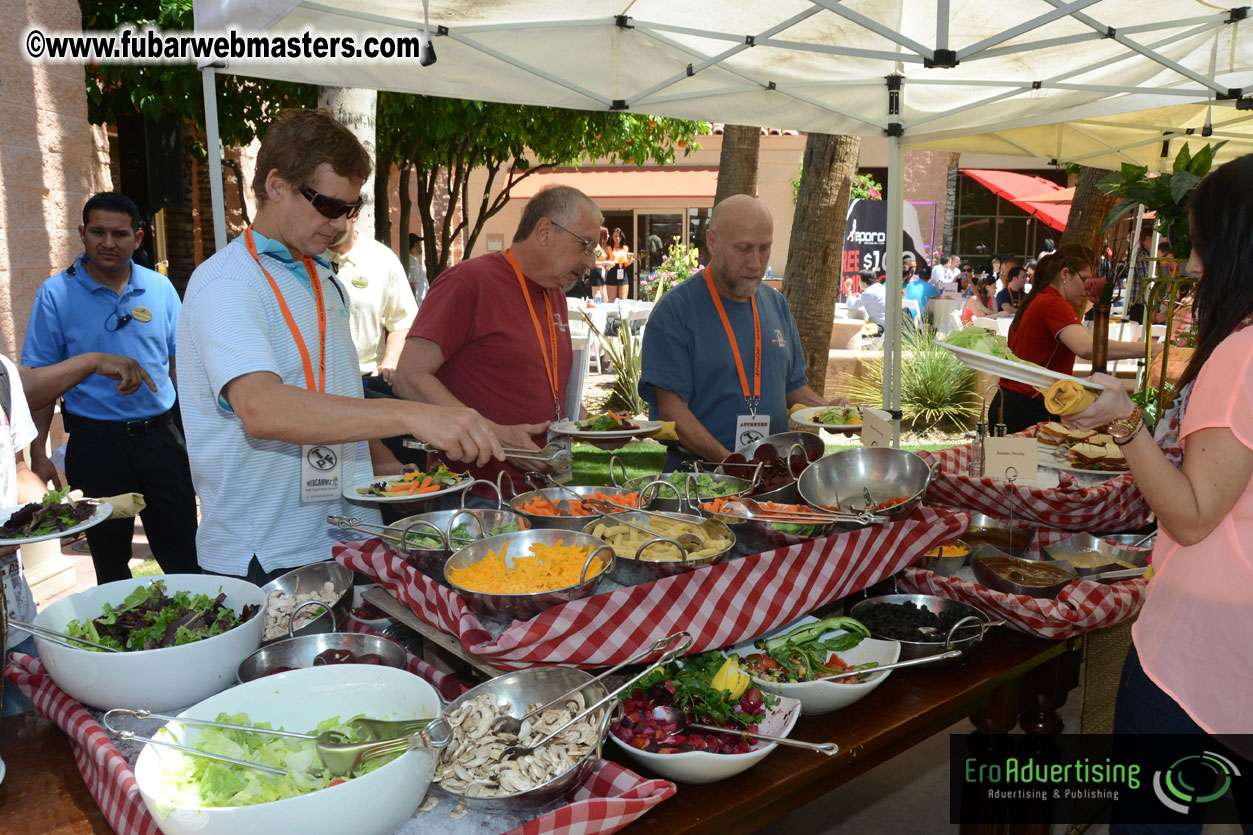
{"x":1124,"y":429}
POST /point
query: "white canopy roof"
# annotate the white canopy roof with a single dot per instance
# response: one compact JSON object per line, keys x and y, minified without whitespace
{"x":989,"y":68}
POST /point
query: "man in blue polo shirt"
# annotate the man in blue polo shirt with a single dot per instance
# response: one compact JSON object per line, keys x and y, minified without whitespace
{"x":119,"y":443}
{"x":722,"y":356}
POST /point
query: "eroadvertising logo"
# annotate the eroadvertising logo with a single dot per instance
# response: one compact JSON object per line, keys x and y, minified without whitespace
{"x":1079,"y":778}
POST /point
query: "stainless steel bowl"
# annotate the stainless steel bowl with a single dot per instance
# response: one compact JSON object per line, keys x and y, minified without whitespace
{"x":986,"y":530}
{"x":300,"y":652}
{"x":941,"y":606}
{"x":811,"y":442}
{"x":949,"y":565}
{"x":670,"y":498}
{"x":985,"y":567}
{"x":844,"y":478}
{"x":556,"y":494}
{"x":308,"y":579}
{"x":439,"y":525}
{"x":514,"y":693}
{"x":638,"y":568}
{"x":526,"y":606}
{"x":1087,"y":543}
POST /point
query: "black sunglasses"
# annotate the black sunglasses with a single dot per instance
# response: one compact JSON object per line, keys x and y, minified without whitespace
{"x":330,"y":207}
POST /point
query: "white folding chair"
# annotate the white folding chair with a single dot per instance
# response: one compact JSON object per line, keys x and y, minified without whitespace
{"x":955,"y":320}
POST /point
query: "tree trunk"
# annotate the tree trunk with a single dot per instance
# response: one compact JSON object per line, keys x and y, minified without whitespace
{"x":737,"y":167}
{"x":355,"y":108}
{"x":812,"y":283}
{"x":406,"y":207}
{"x":1087,"y":211}
{"x":950,"y":203}
{"x":180,"y":223}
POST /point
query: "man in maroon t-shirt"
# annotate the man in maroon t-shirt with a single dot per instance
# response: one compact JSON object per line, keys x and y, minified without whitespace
{"x":493,"y":332}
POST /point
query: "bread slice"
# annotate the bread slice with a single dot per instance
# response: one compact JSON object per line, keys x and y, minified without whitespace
{"x":1100,"y":439}
{"x":1087,"y":453}
{"x":1052,"y":433}
{"x":1114,"y":459}
{"x":1075,"y":436}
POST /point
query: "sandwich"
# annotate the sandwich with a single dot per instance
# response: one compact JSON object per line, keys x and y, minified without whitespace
{"x":1100,"y":439}
{"x":1088,"y":456}
{"x":1114,"y":459}
{"x":1052,"y":433}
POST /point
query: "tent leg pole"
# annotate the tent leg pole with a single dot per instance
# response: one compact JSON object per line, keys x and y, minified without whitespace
{"x":895,"y":246}
{"x":209,"y":83}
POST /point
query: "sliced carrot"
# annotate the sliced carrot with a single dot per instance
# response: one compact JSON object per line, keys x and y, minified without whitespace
{"x":427,"y":482}
{"x":429,"y":488}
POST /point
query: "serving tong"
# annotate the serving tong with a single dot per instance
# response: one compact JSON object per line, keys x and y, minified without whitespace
{"x":59,"y":638}
{"x":746,"y":508}
{"x":340,"y":756}
{"x":416,"y":526}
{"x":684,"y":643}
{"x":555,"y":455}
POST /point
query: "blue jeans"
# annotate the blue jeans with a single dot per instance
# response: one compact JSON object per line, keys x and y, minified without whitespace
{"x":1144,"y":708}
{"x":15,"y":700}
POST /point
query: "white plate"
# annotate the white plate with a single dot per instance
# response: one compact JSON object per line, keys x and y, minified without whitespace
{"x":351,"y":492}
{"x":1046,"y":459}
{"x":103,"y":511}
{"x":571,"y":428}
{"x":1019,"y":372}
{"x":809,"y":417}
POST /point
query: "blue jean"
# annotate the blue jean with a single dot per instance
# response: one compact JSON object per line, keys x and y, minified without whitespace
{"x":15,"y":700}
{"x":1144,"y":708}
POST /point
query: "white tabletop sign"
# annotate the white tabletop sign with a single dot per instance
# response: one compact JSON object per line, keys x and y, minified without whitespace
{"x":1006,"y":457}
{"x":876,"y":428}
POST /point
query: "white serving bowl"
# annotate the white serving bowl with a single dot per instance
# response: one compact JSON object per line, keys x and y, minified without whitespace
{"x":699,"y":767}
{"x":153,"y":679}
{"x":358,"y":598}
{"x":377,"y":802}
{"x":825,"y":696}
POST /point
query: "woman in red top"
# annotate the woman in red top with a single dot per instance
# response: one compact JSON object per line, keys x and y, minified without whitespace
{"x":1047,"y":331}
{"x":980,"y":301}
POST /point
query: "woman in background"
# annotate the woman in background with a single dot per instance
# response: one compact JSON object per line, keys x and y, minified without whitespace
{"x":618,"y":280}
{"x":979,"y":303}
{"x":596,"y":278}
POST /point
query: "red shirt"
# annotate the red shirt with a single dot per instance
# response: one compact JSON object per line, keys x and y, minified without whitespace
{"x":1035,"y":340}
{"x":492,"y":360}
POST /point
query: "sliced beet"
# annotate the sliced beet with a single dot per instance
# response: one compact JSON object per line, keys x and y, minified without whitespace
{"x":369,"y":658}
{"x":735,"y":458}
{"x":765,"y":454}
{"x":333,"y":656}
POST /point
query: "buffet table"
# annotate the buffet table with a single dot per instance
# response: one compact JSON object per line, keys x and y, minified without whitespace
{"x":1010,"y":677}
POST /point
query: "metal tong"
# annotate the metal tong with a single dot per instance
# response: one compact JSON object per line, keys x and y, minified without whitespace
{"x":511,"y":725}
{"x":685,"y":638}
{"x":746,"y":508}
{"x":340,"y":756}
{"x":553,"y":454}
{"x":59,"y":638}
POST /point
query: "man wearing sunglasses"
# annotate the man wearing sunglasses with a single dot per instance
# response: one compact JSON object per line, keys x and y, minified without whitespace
{"x":273,"y":404}
{"x":493,"y":332}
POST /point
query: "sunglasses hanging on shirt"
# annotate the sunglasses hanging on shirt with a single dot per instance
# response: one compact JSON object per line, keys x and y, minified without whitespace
{"x":122,"y":320}
{"x":329,"y":207}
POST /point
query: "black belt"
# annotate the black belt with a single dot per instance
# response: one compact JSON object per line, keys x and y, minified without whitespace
{"x":129,"y":428}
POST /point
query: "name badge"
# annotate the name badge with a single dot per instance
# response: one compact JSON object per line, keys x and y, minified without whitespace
{"x":360,"y":282}
{"x":141,"y":314}
{"x":321,"y":469}
{"x":750,"y":429}
{"x":876,"y":428}
{"x":1005,"y":457}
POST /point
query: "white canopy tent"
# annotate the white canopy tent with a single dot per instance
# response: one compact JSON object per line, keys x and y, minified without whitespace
{"x":951,"y":74}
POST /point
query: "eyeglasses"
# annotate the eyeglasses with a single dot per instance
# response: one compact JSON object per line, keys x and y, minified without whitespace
{"x":330,"y":207}
{"x":589,"y":248}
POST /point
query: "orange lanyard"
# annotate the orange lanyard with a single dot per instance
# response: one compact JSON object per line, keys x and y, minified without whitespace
{"x":320,"y":384}
{"x":754,"y":398}
{"x":550,"y":365}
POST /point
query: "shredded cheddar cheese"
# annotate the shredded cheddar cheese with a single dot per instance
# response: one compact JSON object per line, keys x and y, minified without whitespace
{"x":550,"y":567}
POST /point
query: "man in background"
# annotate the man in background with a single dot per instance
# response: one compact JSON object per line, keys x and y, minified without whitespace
{"x":872,"y":299}
{"x":381,"y":304}
{"x":119,"y":443}
{"x":417,"y":271}
{"x":1010,"y":299}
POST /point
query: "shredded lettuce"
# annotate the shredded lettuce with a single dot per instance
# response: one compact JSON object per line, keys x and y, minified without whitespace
{"x":188,"y":780}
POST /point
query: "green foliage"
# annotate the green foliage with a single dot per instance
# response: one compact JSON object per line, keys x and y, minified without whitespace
{"x":157,"y":90}
{"x":445,"y":139}
{"x":625,"y":352}
{"x":937,"y":391}
{"x":1146,"y":398}
{"x":864,"y":186}
{"x":679,"y":264}
{"x":1165,"y":194}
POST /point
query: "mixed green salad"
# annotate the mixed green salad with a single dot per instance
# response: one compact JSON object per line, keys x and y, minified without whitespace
{"x":151,"y":618}
{"x":840,"y":416}
{"x":188,"y":780}
{"x":54,"y":513}
{"x":802,"y":654}
{"x":710,"y":488}
{"x":457,"y":537}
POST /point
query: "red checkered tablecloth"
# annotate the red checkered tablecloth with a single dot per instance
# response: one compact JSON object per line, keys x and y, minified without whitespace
{"x":720,"y":605}
{"x":1113,"y":505}
{"x":608,"y":800}
{"x":1080,"y":607}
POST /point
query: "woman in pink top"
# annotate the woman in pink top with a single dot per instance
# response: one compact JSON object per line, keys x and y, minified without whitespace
{"x":1191,"y":669}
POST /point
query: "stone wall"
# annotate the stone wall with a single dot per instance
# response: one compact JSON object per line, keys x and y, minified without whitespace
{"x":51,"y":161}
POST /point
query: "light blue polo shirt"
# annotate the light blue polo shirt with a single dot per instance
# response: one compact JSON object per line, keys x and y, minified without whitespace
{"x":249,"y":487}
{"x":74,"y":315}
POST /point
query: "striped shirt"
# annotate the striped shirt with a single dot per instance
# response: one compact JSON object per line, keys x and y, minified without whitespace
{"x":249,"y":488}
